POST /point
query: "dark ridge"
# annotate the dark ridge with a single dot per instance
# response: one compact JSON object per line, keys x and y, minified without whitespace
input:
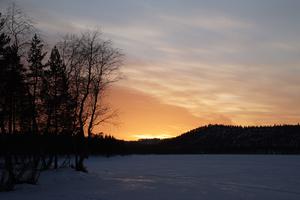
{"x":222,"y":139}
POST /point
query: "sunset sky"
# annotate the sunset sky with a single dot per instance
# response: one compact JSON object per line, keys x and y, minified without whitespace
{"x":189,"y":62}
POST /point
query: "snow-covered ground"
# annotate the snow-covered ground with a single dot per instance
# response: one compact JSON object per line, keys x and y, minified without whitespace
{"x":200,"y":177}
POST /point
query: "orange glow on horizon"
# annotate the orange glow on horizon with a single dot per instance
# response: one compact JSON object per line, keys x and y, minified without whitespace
{"x":142,"y":116}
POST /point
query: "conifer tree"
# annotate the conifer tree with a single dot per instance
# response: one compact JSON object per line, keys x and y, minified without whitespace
{"x":56,"y":97}
{"x":34,"y":77}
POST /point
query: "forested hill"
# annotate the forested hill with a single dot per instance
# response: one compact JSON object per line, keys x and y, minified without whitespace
{"x":211,"y":139}
{"x":228,"y":139}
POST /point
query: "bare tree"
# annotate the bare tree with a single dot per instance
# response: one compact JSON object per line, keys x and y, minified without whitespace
{"x":19,"y":27}
{"x":73,"y":61}
{"x":92,"y":64}
{"x":104,"y":73}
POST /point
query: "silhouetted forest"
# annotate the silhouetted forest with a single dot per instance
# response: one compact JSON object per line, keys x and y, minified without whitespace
{"x":211,"y":139}
{"x":51,"y":99}
{"x":221,"y":139}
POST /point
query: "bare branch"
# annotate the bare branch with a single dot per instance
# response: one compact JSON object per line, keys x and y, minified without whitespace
{"x":19,"y":27}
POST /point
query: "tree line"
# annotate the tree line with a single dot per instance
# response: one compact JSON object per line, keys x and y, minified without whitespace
{"x":48,"y":97}
{"x":210,"y":139}
{"x":221,"y":139}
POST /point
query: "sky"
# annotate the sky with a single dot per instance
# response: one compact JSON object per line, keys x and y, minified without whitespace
{"x":189,"y":62}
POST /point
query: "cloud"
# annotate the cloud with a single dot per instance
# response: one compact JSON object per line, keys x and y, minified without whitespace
{"x":213,"y":23}
{"x":245,"y":95}
{"x":219,"y":61}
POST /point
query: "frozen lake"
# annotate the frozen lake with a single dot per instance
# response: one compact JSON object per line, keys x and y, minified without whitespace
{"x":172,"y":177}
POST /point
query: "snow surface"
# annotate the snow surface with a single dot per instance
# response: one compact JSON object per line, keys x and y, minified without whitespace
{"x":203,"y":177}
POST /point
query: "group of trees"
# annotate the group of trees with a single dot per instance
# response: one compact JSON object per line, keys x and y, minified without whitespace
{"x":49,"y":95}
{"x":221,"y":139}
{"x":211,"y":139}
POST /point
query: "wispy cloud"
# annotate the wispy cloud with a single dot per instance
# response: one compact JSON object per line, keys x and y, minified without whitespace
{"x":220,"y":61}
{"x":213,"y":23}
